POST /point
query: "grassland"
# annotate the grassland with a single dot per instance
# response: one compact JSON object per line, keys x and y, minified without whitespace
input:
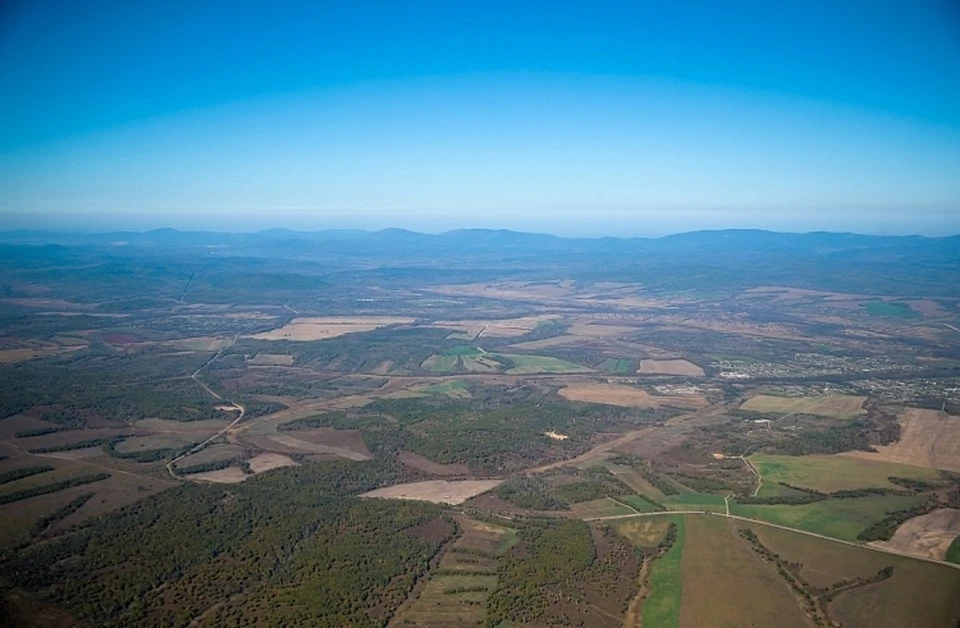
{"x":694,"y":501}
{"x":617,"y":365}
{"x":918,"y":593}
{"x":534,"y":364}
{"x":455,"y":389}
{"x":724,"y":584}
{"x":605,"y":507}
{"x":953,"y":552}
{"x":834,"y":406}
{"x":829,"y":473}
{"x":662,"y":606}
{"x":638,"y":503}
{"x":837,"y":518}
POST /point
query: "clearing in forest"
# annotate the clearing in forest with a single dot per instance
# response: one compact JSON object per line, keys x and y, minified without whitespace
{"x":323,"y":327}
{"x":835,"y":406}
{"x":928,"y":438}
{"x":436,"y":491}
{"x":457,"y":590}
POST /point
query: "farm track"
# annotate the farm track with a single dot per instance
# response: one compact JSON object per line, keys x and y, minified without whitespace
{"x":199,"y":446}
{"x":665,"y":513}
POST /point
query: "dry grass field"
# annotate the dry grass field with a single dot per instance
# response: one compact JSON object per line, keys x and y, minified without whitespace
{"x":918,"y":593}
{"x":928,"y":438}
{"x":323,"y":327}
{"x":927,"y":536}
{"x":643,"y":531}
{"x":835,"y":406}
{"x":627,"y":396}
{"x":436,"y":491}
{"x":267,"y":461}
{"x":751,"y":594}
{"x":230,"y":475}
{"x":670,"y":367}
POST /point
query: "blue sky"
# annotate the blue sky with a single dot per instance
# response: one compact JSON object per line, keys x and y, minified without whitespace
{"x":590,"y":118}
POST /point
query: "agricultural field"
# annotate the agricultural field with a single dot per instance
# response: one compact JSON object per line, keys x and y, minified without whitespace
{"x":918,"y":593}
{"x":752,"y":594}
{"x":832,"y":405}
{"x":926,"y":536}
{"x":627,"y":396}
{"x":457,"y":590}
{"x":621,"y":366}
{"x":832,"y":473}
{"x":840,"y":519}
{"x":534,"y":364}
{"x":694,"y":501}
{"x":662,"y":606}
{"x":893,"y":309}
{"x":436,"y":491}
{"x":643,"y":531}
{"x":324,"y":327}
{"x":670,"y":367}
{"x":928,"y":438}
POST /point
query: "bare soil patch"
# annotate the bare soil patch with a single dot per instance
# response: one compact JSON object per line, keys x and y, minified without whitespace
{"x":345,"y":439}
{"x":927,"y":536}
{"x":670,"y":367}
{"x":322,"y":327}
{"x":425,"y":464}
{"x":436,"y":491}
{"x":267,"y":461}
{"x":927,"y":439}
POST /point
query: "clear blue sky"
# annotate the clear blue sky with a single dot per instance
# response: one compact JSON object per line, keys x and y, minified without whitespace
{"x":587,"y":118}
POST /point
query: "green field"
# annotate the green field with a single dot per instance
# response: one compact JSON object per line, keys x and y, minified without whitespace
{"x":953,"y":552}
{"x":828,"y":473}
{"x":617,"y":365}
{"x":533,"y":364}
{"x":894,"y":309}
{"x":637,"y":503}
{"x":441,"y":363}
{"x":605,"y":507}
{"x":837,"y":518}
{"x":694,"y":501}
{"x":456,"y":389}
{"x":662,"y":606}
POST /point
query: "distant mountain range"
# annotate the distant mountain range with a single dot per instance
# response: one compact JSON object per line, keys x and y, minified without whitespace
{"x":696,"y":260}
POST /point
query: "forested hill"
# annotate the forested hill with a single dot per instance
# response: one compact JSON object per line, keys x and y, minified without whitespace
{"x":715,"y":260}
